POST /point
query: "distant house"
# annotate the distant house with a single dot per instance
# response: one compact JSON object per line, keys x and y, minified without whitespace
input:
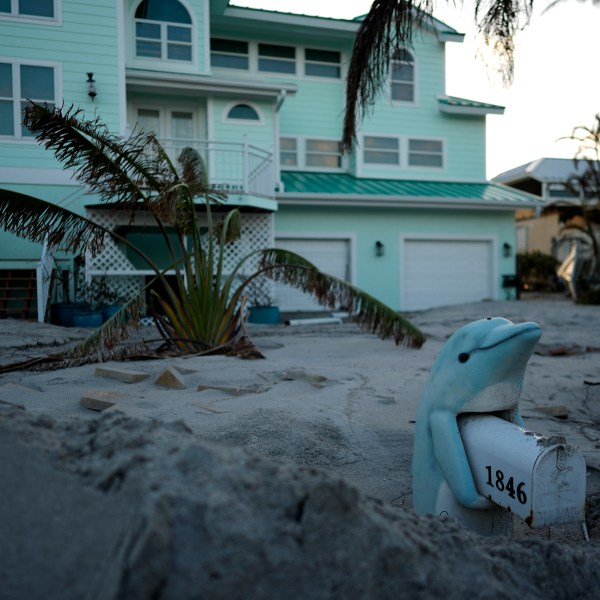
{"x":409,"y":216}
{"x":539,"y":228}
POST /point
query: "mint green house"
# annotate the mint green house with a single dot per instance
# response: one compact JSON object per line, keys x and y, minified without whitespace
{"x":409,"y":216}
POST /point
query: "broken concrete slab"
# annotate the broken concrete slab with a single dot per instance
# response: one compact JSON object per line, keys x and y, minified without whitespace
{"x":233,"y":390}
{"x":99,"y":400}
{"x":170,"y":378}
{"x":122,"y":375}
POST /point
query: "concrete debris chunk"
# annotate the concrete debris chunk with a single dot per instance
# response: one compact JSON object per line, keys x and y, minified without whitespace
{"x":235,"y":391}
{"x":121,"y":375}
{"x":170,"y":378}
{"x":99,"y":400}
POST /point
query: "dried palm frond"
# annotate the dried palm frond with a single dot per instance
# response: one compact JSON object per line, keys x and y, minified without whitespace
{"x":365,"y":310}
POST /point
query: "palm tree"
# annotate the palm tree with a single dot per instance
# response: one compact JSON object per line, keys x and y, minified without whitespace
{"x":389,"y":26}
{"x":204,"y":310}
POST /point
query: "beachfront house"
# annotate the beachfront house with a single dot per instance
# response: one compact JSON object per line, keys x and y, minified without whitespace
{"x":408,"y":217}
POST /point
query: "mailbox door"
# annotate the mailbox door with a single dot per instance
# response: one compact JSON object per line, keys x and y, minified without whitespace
{"x":558,"y":488}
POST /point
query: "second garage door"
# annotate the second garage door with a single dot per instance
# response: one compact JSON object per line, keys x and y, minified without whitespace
{"x":329,"y":255}
{"x":444,"y":272}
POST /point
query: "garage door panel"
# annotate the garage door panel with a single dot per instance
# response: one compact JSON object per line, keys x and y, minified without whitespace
{"x":443,"y":272}
{"x":329,"y":255}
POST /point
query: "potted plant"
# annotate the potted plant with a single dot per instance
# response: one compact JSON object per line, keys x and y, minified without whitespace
{"x":261,"y":309}
{"x":101,"y":302}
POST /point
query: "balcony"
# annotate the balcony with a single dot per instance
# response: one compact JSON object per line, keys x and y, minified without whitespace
{"x":238,"y":168}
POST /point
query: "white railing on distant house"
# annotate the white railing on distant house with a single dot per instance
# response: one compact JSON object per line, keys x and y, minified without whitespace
{"x":234,"y":167}
{"x":44,"y":271}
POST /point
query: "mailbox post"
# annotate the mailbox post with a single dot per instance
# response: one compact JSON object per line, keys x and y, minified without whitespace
{"x":542,"y":480}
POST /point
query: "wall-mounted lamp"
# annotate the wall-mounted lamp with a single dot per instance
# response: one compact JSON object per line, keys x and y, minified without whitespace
{"x":379,"y":248}
{"x":507,"y":249}
{"x":91,"y":86}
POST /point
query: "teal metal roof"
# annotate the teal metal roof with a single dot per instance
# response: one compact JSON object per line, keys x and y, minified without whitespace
{"x":342,"y":187}
{"x":452,"y":104}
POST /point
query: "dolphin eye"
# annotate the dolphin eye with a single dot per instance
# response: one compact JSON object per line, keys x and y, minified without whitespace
{"x":463,"y":357}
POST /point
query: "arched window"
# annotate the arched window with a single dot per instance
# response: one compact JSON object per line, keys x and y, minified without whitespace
{"x":402,"y":83}
{"x":243,"y":112}
{"x":163,"y":30}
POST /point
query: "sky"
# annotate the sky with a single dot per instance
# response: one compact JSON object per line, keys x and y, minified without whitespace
{"x":555,"y":89}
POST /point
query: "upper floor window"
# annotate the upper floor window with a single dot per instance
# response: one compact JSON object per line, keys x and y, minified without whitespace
{"x":322,"y":63}
{"x":243,"y":112}
{"x":276,"y":59}
{"x":20,"y":83}
{"x":402,"y":84}
{"x":310,"y":153}
{"x":163,"y":30}
{"x":381,"y":150}
{"x":44,"y":9}
{"x":425,"y":153}
{"x":230,"y":54}
{"x":402,"y":152}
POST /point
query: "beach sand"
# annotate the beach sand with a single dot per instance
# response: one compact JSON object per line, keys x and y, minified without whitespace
{"x":328,"y":401}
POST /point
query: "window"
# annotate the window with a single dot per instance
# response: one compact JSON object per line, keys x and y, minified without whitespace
{"x":243,"y":112}
{"x":322,"y":63}
{"x":276,"y":59}
{"x":402,"y":83}
{"x":163,"y":30}
{"x":323,"y":153}
{"x":425,"y":153}
{"x":28,"y":8}
{"x":310,"y":154}
{"x":381,"y":150}
{"x":288,"y":152}
{"x":230,"y":54}
{"x":20,"y":83}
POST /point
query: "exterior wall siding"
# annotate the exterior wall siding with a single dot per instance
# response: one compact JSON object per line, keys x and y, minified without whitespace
{"x":380,"y":275}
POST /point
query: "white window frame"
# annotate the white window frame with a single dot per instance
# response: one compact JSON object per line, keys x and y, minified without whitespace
{"x":376,"y":164}
{"x":415,"y":87}
{"x":150,"y":62}
{"x":306,"y":61}
{"x":228,"y":107}
{"x":247,"y":55}
{"x":17,"y":97}
{"x":14,"y":15}
{"x":284,"y":60}
{"x":300,"y":61}
{"x":301,"y":154}
{"x":403,"y":145}
{"x":426,"y":167}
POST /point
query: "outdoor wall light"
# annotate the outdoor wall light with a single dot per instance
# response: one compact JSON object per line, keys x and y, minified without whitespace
{"x":379,"y":248}
{"x":507,"y":248}
{"x":91,"y":86}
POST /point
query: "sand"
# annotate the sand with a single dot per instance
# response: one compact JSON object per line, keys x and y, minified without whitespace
{"x":329,"y":401}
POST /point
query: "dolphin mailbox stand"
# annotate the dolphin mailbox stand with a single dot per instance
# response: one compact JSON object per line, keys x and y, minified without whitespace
{"x":471,"y":458}
{"x":542,"y":480}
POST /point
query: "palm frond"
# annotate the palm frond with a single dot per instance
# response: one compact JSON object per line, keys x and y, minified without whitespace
{"x":103,"y":341}
{"x":37,"y":220}
{"x":119,"y":170}
{"x":388,"y":26}
{"x":368,"y":312}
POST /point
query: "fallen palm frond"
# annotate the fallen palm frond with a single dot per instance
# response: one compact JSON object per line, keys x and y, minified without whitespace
{"x":331,"y":292}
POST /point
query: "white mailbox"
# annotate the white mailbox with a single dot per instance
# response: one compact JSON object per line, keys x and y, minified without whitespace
{"x":542,"y":480}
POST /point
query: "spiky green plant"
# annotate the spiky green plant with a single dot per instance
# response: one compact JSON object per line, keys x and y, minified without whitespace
{"x":204,"y":309}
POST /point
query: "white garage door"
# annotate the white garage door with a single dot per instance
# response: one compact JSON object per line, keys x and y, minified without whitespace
{"x":444,"y":272}
{"x":330,"y":256}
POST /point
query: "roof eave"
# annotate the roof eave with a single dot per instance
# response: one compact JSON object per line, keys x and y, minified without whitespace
{"x":309,"y":199}
{"x":471,"y":110}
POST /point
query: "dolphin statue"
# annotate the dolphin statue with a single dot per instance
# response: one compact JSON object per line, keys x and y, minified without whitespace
{"x":480,"y":369}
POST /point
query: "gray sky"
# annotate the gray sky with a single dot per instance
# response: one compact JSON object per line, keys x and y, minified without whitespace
{"x":556,"y":86}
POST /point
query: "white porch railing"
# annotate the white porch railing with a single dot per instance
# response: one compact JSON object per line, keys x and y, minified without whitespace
{"x":235,"y":167}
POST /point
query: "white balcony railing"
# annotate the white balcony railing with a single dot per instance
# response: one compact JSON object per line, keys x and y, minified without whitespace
{"x":235,"y":167}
